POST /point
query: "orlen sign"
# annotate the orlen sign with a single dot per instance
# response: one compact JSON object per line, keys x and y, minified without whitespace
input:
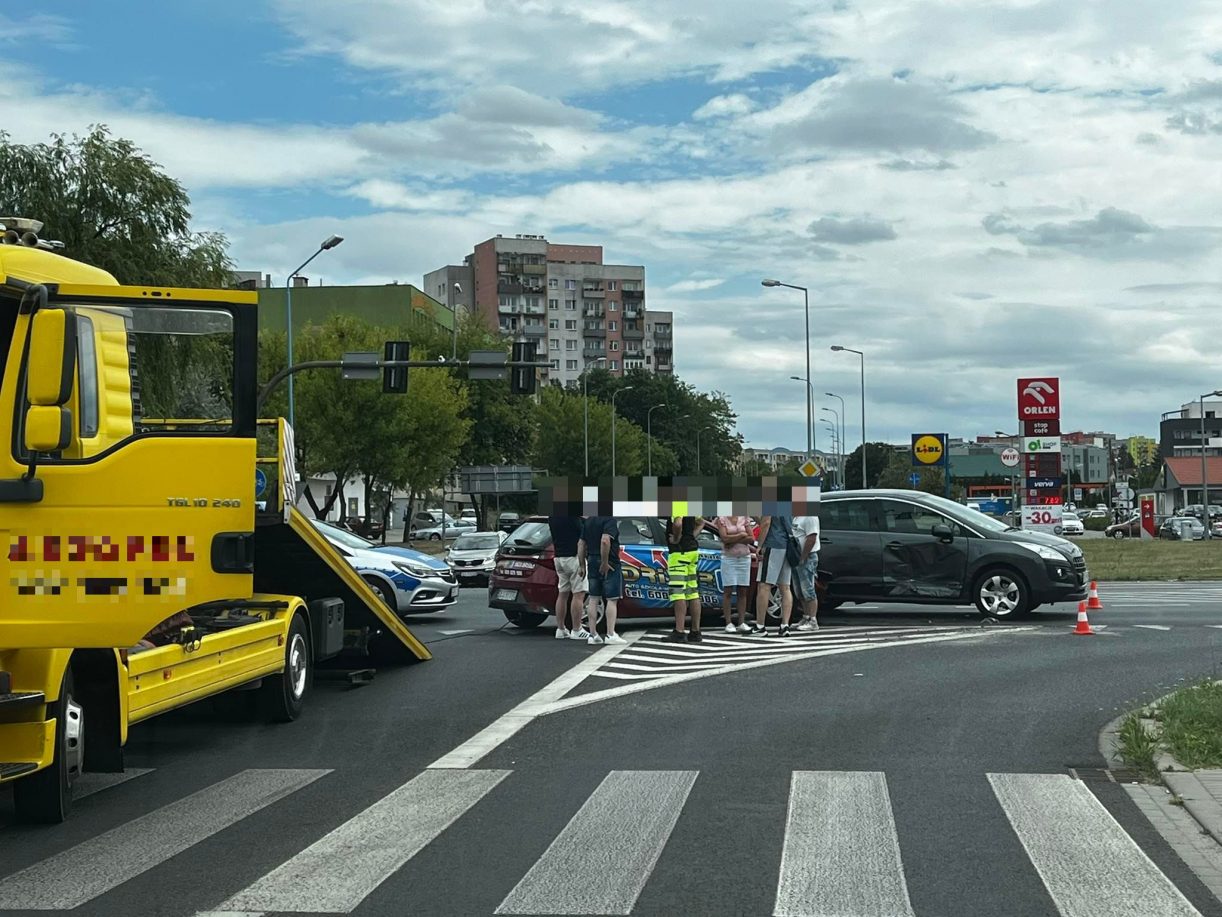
{"x":1039,"y":399}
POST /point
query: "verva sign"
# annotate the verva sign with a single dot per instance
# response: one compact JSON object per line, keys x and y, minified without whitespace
{"x":1039,"y":399}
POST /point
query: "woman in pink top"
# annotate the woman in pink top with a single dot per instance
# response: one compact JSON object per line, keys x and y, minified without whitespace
{"x":736,"y":542}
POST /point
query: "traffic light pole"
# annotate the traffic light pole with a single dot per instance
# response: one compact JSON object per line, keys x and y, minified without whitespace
{"x":285,"y":373}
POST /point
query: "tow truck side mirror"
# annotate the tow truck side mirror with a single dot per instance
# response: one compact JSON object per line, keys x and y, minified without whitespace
{"x":49,"y":377}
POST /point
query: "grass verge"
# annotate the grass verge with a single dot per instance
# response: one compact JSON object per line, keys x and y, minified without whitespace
{"x":1137,"y":747}
{"x":1191,"y":721}
{"x":1111,"y":561}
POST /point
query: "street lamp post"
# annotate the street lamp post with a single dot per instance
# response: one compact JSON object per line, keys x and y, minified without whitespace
{"x":840,"y":349}
{"x":839,"y":442}
{"x":1013,"y":438}
{"x":329,"y":243}
{"x":844,"y":415}
{"x":585,"y":397}
{"x":810,"y":397}
{"x":835,"y":438}
{"x":810,"y":392}
{"x":1204,"y":467}
{"x":649,"y":434}
{"x":455,"y":293}
{"x":615,"y":394}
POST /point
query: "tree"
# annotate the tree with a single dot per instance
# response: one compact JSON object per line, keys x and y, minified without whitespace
{"x":561,"y":452}
{"x":689,"y":414}
{"x":112,"y":207}
{"x":878,"y":457}
{"x":897,"y":475}
{"x":347,"y":428}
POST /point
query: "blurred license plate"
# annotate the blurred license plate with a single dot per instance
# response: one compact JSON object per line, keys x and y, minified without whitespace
{"x":506,"y":595}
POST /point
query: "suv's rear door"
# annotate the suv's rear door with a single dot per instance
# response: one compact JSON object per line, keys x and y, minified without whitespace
{"x":850,"y":549}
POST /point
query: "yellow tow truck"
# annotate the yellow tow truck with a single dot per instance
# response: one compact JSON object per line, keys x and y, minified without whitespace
{"x":140,"y":574}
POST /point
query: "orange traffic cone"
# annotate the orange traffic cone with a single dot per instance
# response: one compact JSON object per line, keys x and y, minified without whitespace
{"x":1094,"y":604}
{"x":1083,"y":624}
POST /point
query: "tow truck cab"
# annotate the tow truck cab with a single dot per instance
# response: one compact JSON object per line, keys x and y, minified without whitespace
{"x":138,"y":575}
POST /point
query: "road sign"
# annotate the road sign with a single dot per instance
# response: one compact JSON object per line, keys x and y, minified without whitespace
{"x":914,"y":479}
{"x":1039,"y":399}
{"x":809,"y":469}
{"x":260,"y":482}
{"x":1010,"y":457}
{"x":361,"y":365}
{"x":929,"y":449}
{"x":1077,"y":493}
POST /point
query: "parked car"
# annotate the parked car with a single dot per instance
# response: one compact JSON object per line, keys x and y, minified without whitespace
{"x":1198,"y":511}
{"x":452,"y":529}
{"x":1130,"y":528}
{"x":472,"y":557}
{"x":1071,"y":524}
{"x":408,"y":581}
{"x":1182,"y":528}
{"x":365,"y":526}
{"x":523,"y":582}
{"x":468,"y":515}
{"x":885,"y":546}
{"x":507,"y":522}
{"x":434,"y":518}
{"x":1098,"y":514}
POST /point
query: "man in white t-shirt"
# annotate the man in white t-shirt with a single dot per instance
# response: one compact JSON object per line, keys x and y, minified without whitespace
{"x":806,"y":532}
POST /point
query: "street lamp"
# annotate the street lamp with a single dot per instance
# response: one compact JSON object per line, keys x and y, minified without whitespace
{"x":844,"y":415}
{"x":1204,"y":471}
{"x":838,"y":349}
{"x":329,"y":243}
{"x":810,"y":392}
{"x":810,"y":398}
{"x":836,"y":430}
{"x":835,"y":436}
{"x":454,"y":322}
{"x":615,"y":394}
{"x":585,"y":397}
{"x":649,"y":434}
{"x":698,"y":432}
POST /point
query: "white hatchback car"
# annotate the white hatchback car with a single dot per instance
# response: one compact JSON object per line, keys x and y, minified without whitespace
{"x":472,"y":557}
{"x":1072,"y":525}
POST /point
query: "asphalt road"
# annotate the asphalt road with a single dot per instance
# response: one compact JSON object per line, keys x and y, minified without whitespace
{"x":897,"y":762}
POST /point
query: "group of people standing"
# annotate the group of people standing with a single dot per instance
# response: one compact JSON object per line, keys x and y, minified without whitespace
{"x":588,"y":567}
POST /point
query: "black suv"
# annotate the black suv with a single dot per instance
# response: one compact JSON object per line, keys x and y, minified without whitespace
{"x":911,"y":547}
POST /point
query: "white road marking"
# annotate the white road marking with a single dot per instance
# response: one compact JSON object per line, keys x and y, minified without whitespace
{"x":454,"y":633}
{"x":94,"y":867}
{"x":841,"y":853}
{"x":1088,"y":863}
{"x":604,"y":856}
{"x":336,"y":873}
{"x":1152,"y":626}
{"x":534,"y":706}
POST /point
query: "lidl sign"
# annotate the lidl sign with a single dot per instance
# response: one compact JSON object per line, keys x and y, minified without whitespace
{"x":929,"y":449}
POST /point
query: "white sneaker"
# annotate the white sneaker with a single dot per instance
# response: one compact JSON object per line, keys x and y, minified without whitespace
{"x":595,"y":640}
{"x":809,"y":624}
{"x":582,"y":634}
{"x":743,"y":629}
{"x":562,"y":633}
{"x":731,"y":629}
{"x":614,"y":638}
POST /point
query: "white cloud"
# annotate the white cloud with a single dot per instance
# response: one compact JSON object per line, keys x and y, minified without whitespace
{"x":695,"y":286}
{"x":724,"y":106}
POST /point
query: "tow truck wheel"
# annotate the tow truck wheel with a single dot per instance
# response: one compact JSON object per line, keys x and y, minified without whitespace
{"x":285,"y":696}
{"x":45,"y":798}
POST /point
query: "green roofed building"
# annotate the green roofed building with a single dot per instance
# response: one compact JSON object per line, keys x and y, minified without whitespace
{"x":391,"y":305}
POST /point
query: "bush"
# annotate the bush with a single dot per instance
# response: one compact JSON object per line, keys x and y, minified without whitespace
{"x":1096,"y":525}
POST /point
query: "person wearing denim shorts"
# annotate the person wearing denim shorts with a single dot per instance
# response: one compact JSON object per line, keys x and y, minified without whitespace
{"x":598,"y":556}
{"x":806,"y":532}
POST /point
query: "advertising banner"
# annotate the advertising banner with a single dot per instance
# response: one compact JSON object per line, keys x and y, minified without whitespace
{"x":1148,"y":529}
{"x":1039,"y":399}
{"x":1042,"y":519}
{"x":1033,"y":444}
{"x":929,"y":450}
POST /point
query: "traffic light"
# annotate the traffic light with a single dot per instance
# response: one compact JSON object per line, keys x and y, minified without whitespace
{"x":394,"y":378}
{"x":522,"y":378}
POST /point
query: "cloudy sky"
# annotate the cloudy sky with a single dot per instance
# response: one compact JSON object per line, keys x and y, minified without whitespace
{"x":972,"y":190}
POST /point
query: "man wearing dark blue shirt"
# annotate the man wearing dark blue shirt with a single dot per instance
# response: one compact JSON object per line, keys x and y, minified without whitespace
{"x":599,"y":561}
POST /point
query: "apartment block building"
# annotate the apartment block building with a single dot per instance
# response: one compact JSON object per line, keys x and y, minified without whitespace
{"x":580,"y":310}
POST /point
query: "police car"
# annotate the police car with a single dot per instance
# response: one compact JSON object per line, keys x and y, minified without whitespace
{"x":408,"y":581}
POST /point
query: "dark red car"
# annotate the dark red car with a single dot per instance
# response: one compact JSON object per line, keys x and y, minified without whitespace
{"x":523,"y":584}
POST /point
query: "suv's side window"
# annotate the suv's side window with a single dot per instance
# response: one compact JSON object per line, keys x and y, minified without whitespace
{"x":900,"y":518}
{"x":845,"y":516}
{"x":634,"y":531}
{"x":709,"y":540}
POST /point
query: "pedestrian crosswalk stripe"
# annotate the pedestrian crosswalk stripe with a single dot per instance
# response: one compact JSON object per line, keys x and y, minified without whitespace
{"x":830,"y":814}
{"x":83,"y":872}
{"x":604,"y":856}
{"x":339,"y":871}
{"x":1152,"y":626}
{"x":1089,"y":864}
{"x":88,"y":784}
